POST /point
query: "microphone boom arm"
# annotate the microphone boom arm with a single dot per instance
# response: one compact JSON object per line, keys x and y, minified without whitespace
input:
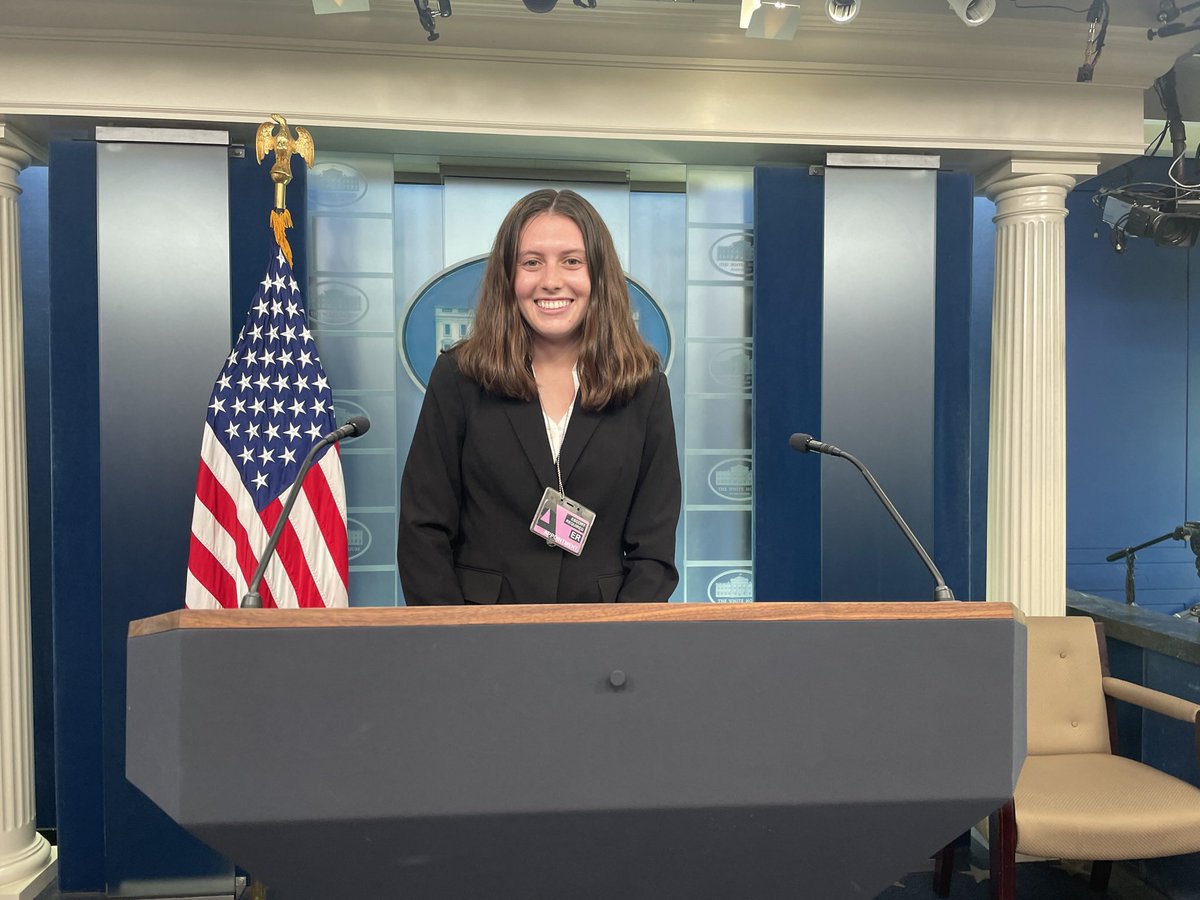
{"x":941,"y":591}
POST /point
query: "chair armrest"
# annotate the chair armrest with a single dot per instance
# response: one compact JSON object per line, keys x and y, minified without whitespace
{"x":1148,"y":698}
{"x":1156,"y":701}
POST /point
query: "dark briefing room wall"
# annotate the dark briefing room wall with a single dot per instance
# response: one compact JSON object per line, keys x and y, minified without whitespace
{"x":912,"y":265}
{"x":35,"y":297}
{"x":144,"y":242}
{"x":1133,"y":438}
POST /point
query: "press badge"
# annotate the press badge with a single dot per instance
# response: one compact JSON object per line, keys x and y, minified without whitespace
{"x":562,"y":522}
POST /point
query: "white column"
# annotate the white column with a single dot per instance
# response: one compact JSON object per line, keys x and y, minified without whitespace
{"x":27,"y":863}
{"x":1027,"y":497}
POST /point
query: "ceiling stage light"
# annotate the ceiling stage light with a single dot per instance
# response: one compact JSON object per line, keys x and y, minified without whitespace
{"x":973,"y":12}
{"x":842,"y":11}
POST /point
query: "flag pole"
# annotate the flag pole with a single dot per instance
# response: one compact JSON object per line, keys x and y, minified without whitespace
{"x":274,"y":136}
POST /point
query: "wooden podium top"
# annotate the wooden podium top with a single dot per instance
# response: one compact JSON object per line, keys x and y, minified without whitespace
{"x":370,"y":617}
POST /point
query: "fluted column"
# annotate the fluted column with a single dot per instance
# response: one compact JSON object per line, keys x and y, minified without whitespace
{"x":27,"y":862}
{"x":1027,"y":496}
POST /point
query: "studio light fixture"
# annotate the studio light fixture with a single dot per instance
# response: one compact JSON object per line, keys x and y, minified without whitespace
{"x":773,"y":19}
{"x":842,"y":11}
{"x":973,"y":12}
{"x":426,"y":15}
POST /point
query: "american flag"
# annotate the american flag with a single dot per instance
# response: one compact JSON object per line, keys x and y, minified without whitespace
{"x":270,"y":404}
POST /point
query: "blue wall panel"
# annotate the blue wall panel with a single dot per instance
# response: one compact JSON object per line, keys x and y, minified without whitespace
{"x":983,"y":242}
{"x":955,"y":543}
{"x":1128,"y":371}
{"x":33,"y":204}
{"x":162,"y":243}
{"x":75,"y":430}
{"x":788,"y":259}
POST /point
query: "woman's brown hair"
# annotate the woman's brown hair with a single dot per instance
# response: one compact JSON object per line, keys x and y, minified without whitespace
{"x":614,"y":359}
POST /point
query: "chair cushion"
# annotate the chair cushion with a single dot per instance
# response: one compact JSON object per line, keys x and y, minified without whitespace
{"x":1097,"y":806}
{"x":1065,"y":707}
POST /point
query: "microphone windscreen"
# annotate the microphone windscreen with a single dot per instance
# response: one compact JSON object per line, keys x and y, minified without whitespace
{"x":361,"y":425}
{"x":800,"y":442}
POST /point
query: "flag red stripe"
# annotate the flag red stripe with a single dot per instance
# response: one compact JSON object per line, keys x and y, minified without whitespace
{"x":290,"y":552}
{"x":211,"y":574}
{"x":329,"y":520}
{"x":212,"y":493}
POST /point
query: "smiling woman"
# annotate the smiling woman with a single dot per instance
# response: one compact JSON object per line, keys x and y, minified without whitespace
{"x":543,"y":468}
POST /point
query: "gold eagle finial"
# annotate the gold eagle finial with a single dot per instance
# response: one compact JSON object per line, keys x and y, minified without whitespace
{"x":283,"y":144}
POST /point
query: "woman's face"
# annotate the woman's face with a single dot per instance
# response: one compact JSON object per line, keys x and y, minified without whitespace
{"x":551,"y":281}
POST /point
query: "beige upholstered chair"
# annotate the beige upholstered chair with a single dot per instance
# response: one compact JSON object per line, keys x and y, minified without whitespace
{"x":1075,"y":799}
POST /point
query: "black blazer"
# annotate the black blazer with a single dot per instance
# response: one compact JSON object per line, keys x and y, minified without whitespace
{"x":475,"y":474}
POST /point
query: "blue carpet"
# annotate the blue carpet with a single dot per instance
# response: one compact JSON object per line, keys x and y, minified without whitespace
{"x":1065,"y":880}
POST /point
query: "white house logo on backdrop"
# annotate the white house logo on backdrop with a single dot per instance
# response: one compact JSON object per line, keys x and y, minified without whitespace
{"x":730,"y":479}
{"x":336,"y":184}
{"x":337,"y":304}
{"x":732,"y":586}
{"x":441,"y":312}
{"x":733,"y":368}
{"x":733,"y":254}
{"x":358,"y":537}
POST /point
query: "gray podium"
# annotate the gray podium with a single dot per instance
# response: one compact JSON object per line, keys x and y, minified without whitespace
{"x":690,"y":751}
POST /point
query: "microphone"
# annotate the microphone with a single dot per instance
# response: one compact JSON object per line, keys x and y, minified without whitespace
{"x":357,"y":426}
{"x":806,"y":443}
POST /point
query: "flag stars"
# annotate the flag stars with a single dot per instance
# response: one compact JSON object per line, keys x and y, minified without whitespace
{"x":301,"y":384}
{"x":239,"y":406}
{"x":257,"y":406}
{"x":266,"y":284}
{"x":260,"y":480}
{"x":223,"y":382}
{"x":321,"y":384}
{"x":266,"y":456}
{"x":304,"y":360}
{"x":297,"y":408}
{"x":263,"y":381}
{"x":285,"y":359}
{"x":252,"y":431}
{"x":292,"y":309}
{"x":287,"y":457}
{"x":293,"y":431}
{"x":276,"y":308}
{"x":272,"y":432}
{"x":318,"y":407}
{"x":246,"y":455}
{"x":306,"y":335}
{"x":281,"y":383}
{"x":255,"y":334}
{"x":315,"y":432}
{"x":276,"y":407}
{"x":232,"y":431}
{"x":217,"y":406}
{"x":267,"y":358}
{"x":244,"y":382}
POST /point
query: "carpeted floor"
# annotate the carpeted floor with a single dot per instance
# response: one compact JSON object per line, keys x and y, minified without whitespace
{"x":1066,"y":880}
